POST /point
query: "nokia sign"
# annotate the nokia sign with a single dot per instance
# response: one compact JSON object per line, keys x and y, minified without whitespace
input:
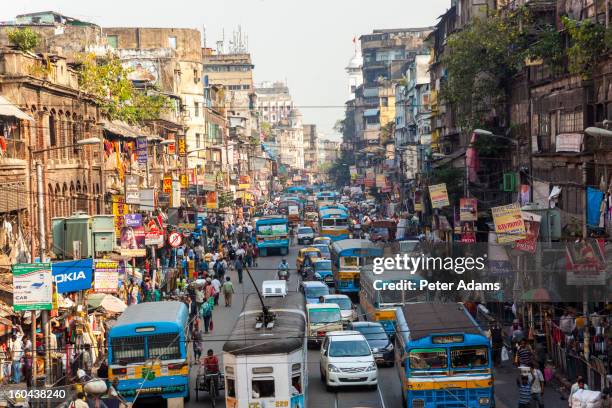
{"x":72,"y":276}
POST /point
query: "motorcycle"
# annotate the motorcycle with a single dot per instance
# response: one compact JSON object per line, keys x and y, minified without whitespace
{"x":283,"y":274}
{"x":306,"y":271}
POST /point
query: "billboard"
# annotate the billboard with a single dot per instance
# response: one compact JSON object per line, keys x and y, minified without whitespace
{"x":106,"y":276}
{"x":32,"y":286}
{"x":438,"y":195}
{"x":133,"y":242}
{"x":468,"y":209}
{"x":132,"y":191}
{"x":72,"y":276}
{"x":509,"y":224}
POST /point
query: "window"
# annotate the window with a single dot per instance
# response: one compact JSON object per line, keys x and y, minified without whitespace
{"x":197,"y":138}
{"x":52,"y":131}
{"x":197,"y":109}
{"x":112,"y":41}
{"x":230,"y":387}
{"x":262,"y":388}
{"x":126,"y":350}
{"x":469,"y":357}
{"x":349,"y":348}
{"x":164,"y":346}
{"x":296,"y":383}
{"x":172,"y":42}
{"x":425,"y":359}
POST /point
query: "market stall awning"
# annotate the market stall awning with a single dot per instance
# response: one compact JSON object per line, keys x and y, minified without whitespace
{"x":7,"y":108}
{"x":108,"y":302}
{"x":124,"y":129}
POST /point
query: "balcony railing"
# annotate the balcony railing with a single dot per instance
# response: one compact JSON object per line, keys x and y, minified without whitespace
{"x":15,"y":149}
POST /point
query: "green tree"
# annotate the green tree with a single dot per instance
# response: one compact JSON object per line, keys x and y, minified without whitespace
{"x":108,"y":80}
{"x":24,"y":39}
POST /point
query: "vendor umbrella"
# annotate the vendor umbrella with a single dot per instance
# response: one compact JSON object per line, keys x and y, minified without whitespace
{"x":540,"y":295}
{"x":108,"y":302}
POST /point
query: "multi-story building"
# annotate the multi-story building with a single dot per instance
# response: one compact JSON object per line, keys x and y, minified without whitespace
{"x":274,"y":102}
{"x":328,"y":151}
{"x":311,"y":138}
{"x":289,"y":141}
{"x":169,"y":59}
{"x":353,"y":69}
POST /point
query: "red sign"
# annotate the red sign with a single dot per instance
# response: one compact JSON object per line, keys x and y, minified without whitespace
{"x":175,"y":239}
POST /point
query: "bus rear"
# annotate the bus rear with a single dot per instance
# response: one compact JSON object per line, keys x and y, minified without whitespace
{"x":272,"y":233}
{"x":147,"y":351}
{"x":348,"y":256}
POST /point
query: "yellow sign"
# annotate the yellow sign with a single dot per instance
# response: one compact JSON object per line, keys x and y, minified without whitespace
{"x":184,"y":181}
{"x":438,"y":195}
{"x":168,"y":184}
{"x":182,"y":146}
{"x":509,"y":224}
{"x":211,"y":200}
{"x":119,"y":210}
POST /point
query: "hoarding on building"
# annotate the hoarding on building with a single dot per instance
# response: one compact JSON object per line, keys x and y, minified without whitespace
{"x":32,"y":286}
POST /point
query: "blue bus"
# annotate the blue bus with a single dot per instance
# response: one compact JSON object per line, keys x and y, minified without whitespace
{"x":445,"y":357}
{"x":148,"y":353}
{"x":348,"y":256}
{"x":272,"y":232}
{"x":326,"y":198}
{"x":334,"y":223}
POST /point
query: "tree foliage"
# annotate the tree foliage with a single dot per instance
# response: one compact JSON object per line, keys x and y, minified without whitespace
{"x":24,"y":39}
{"x":107,"y":79}
{"x":587,"y":43}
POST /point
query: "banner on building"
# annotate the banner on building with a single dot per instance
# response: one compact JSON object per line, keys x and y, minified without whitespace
{"x":141,"y":150}
{"x":182,"y":146}
{"x":32,"y":286}
{"x":509,"y":224}
{"x":184,"y":181}
{"x":133,"y":220}
{"x":133,"y":242}
{"x":167,"y":184}
{"x":468,"y":233}
{"x":585,"y":262}
{"x":132,"y":191}
{"x":211,"y":200}
{"x":532,"y":230}
{"x":468,"y":209}
{"x":119,"y":210}
{"x":438,"y":196}
{"x":147,"y":199}
{"x":72,"y":276}
{"x":175,"y":198}
{"x":106,"y":276}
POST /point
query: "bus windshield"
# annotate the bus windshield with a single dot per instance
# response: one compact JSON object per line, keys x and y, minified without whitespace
{"x":343,"y":302}
{"x":350,"y":261}
{"x":426,"y":359}
{"x":324,"y":315}
{"x":329,"y":222}
{"x":468,"y":357}
{"x":351,"y":348}
{"x":322,"y":266}
{"x":316,"y":292}
{"x":278,"y":229}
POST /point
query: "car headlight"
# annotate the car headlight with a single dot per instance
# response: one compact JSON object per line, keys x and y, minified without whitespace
{"x":332,"y":368}
{"x":371,"y":367}
{"x":484,"y":401}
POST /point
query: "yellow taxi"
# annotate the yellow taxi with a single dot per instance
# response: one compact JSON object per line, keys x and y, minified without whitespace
{"x":303,"y":253}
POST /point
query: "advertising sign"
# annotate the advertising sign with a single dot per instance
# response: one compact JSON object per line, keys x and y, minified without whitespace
{"x":132,"y":191}
{"x":106,"y":276}
{"x":175,"y":198}
{"x":585,"y":263}
{"x":211,"y":200}
{"x":438,"y":195}
{"x":468,"y":233}
{"x":32,"y":286}
{"x":167,"y":184}
{"x":509,"y":224}
{"x":72,"y":276}
{"x":147,"y":199}
{"x":133,"y":220}
{"x":154,"y":238}
{"x":141,"y":150}
{"x":184,"y":181}
{"x":132,"y":242}
{"x":468,"y":209}
{"x":532,"y":228}
{"x":119,"y":209}
{"x":182,"y":146}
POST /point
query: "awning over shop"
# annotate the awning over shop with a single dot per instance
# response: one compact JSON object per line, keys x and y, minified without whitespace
{"x":370,"y":112}
{"x":124,"y":129}
{"x":7,"y":108}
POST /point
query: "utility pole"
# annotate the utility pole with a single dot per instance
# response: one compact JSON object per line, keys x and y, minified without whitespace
{"x":42,"y":249}
{"x":585,"y":293}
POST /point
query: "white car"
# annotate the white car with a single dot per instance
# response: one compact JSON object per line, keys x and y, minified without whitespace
{"x":346,"y":360}
{"x":347,"y":309}
{"x":270,"y":288}
{"x":305,"y":235}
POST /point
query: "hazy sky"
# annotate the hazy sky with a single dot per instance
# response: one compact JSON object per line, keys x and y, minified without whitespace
{"x":306,"y":42}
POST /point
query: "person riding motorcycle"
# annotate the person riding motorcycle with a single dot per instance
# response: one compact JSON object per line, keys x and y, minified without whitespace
{"x":283,"y":269}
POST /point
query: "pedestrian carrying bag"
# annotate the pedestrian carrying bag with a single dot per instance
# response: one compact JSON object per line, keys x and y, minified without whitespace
{"x":504,"y":354}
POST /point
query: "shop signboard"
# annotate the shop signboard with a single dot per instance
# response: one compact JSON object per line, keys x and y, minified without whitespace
{"x":532,"y":229}
{"x":72,"y":276}
{"x":438,"y":195}
{"x":132,"y":191}
{"x":147,"y":199}
{"x":167,"y":184}
{"x":32,"y":286}
{"x":119,"y":209}
{"x":106,"y":276}
{"x":141,"y":150}
{"x":133,"y":220}
{"x":211,"y":200}
{"x":468,"y":209}
{"x":509,"y":224}
{"x":175,"y":198}
{"x":184,"y":181}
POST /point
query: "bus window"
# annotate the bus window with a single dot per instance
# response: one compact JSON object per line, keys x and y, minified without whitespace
{"x":328,"y":223}
{"x":128,"y":350}
{"x":230,"y":387}
{"x":164,"y":346}
{"x":349,"y":261}
{"x":296,"y":384}
{"x":425,"y":359}
{"x":263,"y":387}
{"x":469,"y":357}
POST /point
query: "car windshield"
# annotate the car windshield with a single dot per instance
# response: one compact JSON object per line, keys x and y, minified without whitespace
{"x":344,"y":303}
{"x":324,"y":249}
{"x":373,"y":332}
{"x":311,"y":253}
{"x":426,"y":359}
{"x":326,"y":315}
{"x":349,"y":348}
{"x":305,"y":231}
{"x":469,"y":357}
{"x":316,"y":292}
{"x":322,"y":266}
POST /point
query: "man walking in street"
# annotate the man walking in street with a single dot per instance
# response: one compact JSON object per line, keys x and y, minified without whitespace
{"x":239,"y":266}
{"x":524,"y":397}
{"x":524,"y":354}
{"x":216,"y":284}
{"x":537,"y":386}
{"x":228,"y":291}
{"x":206,"y":314}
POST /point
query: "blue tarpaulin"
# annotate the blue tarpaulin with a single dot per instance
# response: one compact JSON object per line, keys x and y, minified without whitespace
{"x":594,"y":198}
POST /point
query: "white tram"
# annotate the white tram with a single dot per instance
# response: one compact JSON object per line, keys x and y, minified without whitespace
{"x":264,"y":358}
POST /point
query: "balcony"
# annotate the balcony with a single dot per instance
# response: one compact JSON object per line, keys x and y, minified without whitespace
{"x":16,"y":151}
